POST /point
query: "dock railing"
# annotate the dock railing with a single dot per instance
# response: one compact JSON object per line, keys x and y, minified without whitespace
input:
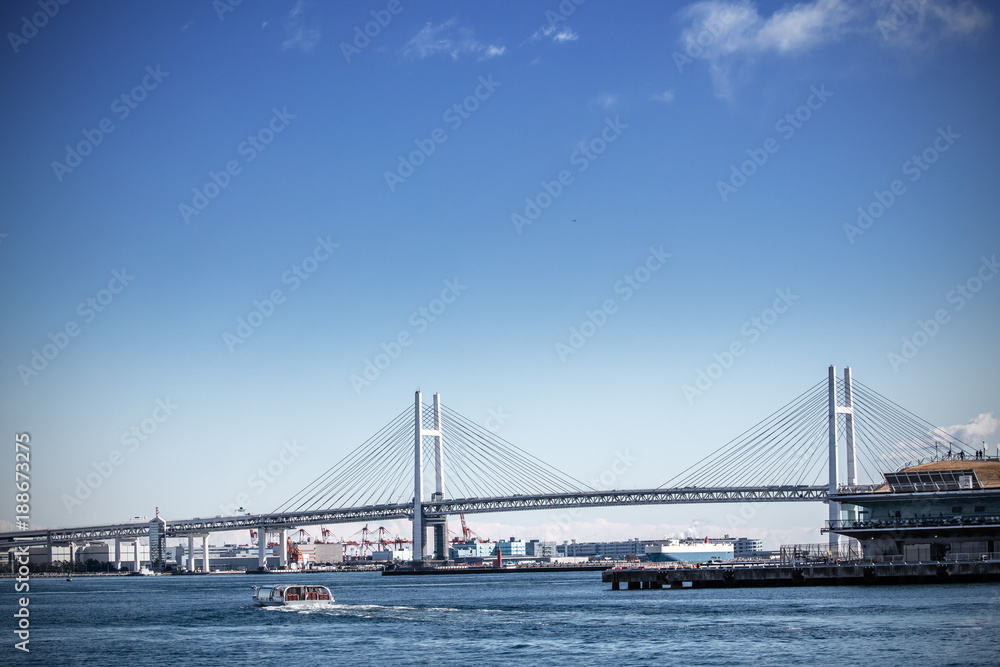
{"x":894,"y":523}
{"x":819,"y":553}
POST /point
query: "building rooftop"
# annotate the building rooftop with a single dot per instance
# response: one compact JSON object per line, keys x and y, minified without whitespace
{"x":987,"y":472}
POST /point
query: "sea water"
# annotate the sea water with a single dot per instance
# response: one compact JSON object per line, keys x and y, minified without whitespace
{"x":498,"y":619}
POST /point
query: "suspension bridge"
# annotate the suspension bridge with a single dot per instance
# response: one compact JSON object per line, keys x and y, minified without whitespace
{"x":792,"y":455}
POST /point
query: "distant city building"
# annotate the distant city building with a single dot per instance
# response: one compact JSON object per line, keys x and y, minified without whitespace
{"x":747,"y":547}
{"x":157,"y":541}
{"x":540,"y":549}
{"x":512,"y":547}
{"x":616,"y":550}
{"x":328,"y":553}
{"x":102,"y":552}
{"x":471,"y":550}
{"x":392,"y":555}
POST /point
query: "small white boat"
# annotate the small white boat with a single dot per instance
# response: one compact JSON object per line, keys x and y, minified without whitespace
{"x":295,"y":594}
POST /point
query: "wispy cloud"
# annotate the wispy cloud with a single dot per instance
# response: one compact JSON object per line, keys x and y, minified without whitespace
{"x":666,"y":96}
{"x":565,"y":35}
{"x":732,"y":34}
{"x":924,"y":25}
{"x":299,"y":34}
{"x":451,"y":39}
{"x":558,"y":35}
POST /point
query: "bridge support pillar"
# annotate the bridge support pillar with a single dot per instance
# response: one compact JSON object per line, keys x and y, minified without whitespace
{"x":848,"y":410}
{"x":261,"y":547}
{"x":419,"y":526}
{"x":441,"y":522}
{"x":190,"y":554}
{"x":205,"y":564}
{"x":834,"y":458}
{"x":118,"y":554}
{"x":136,"y":561}
{"x":283,"y":548}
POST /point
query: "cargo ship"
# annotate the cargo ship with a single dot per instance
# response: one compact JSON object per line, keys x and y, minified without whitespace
{"x":689,"y":551}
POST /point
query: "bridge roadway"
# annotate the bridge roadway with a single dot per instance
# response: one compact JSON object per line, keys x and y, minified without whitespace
{"x":186,"y":527}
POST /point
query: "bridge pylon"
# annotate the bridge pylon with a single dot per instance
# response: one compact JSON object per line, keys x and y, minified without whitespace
{"x":834,"y":465}
{"x":421,"y":522}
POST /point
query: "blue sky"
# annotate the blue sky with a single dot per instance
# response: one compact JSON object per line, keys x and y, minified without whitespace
{"x":525,"y":161}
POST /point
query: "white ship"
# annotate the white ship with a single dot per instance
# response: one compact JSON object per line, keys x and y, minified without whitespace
{"x":689,"y":551}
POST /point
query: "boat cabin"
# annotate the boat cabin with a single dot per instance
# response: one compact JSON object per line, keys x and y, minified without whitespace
{"x":272,"y":596}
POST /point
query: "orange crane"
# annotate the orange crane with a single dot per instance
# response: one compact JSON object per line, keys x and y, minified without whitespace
{"x":383,"y":540}
{"x":467,"y":533}
{"x":293,"y":552}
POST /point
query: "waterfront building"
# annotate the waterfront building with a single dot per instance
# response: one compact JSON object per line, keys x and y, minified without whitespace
{"x":328,"y":553}
{"x":942,"y":510}
{"x":389,"y":555}
{"x":472,"y":550}
{"x":747,"y":547}
{"x":157,"y":541}
{"x":512,"y":547}
{"x":540,"y":549}
{"x":600,"y":550}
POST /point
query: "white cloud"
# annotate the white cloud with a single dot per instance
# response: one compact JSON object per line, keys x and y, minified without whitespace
{"x":558,"y":35}
{"x":565,"y":35}
{"x":731,"y":34}
{"x":299,"y":35}
{"x":599,"y":530}
{"x":450,"y":39}
{"x":976,"y":430}
{"x":493,"y":50}
{"x":666,"y":96}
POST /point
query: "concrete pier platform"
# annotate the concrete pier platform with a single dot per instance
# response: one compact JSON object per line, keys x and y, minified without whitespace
{"x":762,"y":576}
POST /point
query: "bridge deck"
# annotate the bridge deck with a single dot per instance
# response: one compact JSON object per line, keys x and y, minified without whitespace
{"x":185,"y":527}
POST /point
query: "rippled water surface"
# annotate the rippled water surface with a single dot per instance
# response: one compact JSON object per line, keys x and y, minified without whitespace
{"x":476,"y":619}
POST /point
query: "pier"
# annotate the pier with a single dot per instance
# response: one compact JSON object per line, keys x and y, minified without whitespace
{"x":772,"y":576}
